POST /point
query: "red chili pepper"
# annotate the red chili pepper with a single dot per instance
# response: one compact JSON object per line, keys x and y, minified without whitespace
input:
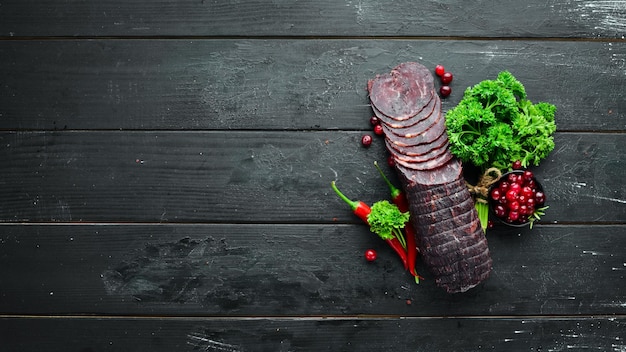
{"x":362,"y":210}
{"x":359,"y":208}
{"x":397,"y":196}
{"x":399,"y":199}
{"x":396,"y":245}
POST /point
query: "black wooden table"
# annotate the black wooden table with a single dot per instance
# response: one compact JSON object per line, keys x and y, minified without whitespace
{"x":166,"y":170}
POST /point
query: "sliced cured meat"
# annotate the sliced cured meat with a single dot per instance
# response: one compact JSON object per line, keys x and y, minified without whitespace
{"x":433,"y":154}
{"x":442,"y":243}
{"x":435,"y":116}
{"x":417,"y":71}
{"x":436,"y":192}
{"x":446,"y":213}
{"x":415,"y":164}
{"x":451,"y":240}
{"x":419,"y":149}
{"x":435,"y":204}
{"x":403,"y":92}
{"x":438,"y":221}
{"x":425,"y":136}
{"x":474,"y":267}
{"x":448,"y":172}
{"x":393,"y":122}
{"x":460,"y":262}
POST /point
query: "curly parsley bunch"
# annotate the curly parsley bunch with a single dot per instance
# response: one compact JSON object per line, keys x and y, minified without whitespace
{"x":494,"y":125}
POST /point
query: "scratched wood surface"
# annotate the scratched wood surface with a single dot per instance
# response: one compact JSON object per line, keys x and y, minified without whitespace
{"x":235,"y":84}
{"x":166,"y":168}
{"x":506,"y":18}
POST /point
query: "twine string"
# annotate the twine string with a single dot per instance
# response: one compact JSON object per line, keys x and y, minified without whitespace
{"x":481,"y":189}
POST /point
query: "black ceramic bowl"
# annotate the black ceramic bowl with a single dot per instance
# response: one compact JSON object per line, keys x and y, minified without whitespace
{"x":509,"y":198}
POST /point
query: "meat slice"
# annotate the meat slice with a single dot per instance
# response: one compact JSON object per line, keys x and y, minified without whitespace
{"x":393,"y":122}
{"x":428,"y":122}
{"x":424,"y":135}
{"x":419,"y":149}
{"x":434,"y":153}
{"x":403,"y":92}
{"x":418,"y":163}
{"x":445,"y":173}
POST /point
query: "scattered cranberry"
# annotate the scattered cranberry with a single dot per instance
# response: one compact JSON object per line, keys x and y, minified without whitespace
{"x":517,"y":165}
{"x":374,"y":120}
{"x":370,"y":255}
{"x":440,"y":70}
{"x":446,"y":78}
{"x":378,"y":130}
{"x":366,"y":140}
{"x":445,"y":91}
{"x":490,"y":224}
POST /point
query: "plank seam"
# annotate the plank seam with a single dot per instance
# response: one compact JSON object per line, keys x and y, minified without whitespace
{"x":312,"y":37}
{"x":313,"y":317}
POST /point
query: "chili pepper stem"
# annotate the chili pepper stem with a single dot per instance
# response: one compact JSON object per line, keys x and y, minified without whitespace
{"x":395,"y":192}
{"x":352,"y":203}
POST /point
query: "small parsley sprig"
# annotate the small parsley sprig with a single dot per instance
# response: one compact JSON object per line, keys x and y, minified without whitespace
{"x":387,"y":221}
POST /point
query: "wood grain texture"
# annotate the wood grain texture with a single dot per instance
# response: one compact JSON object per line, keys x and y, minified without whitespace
{"x":509,"y":18}
{"x":296,"y":270}
{"x":255,"y":177}
{"x":319,"y":334}
{"x":283,"y":84}
{"x":166,"y":171}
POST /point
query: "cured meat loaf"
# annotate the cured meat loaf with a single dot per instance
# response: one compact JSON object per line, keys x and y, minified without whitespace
{"x":451,"y":241}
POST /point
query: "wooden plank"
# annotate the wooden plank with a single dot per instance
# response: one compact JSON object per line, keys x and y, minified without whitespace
{"x":317,"y":334}
{"x":255,"y":177}
{"x":294,"y":270}
{"x":509,"y":18}
{"x":283,"y":84}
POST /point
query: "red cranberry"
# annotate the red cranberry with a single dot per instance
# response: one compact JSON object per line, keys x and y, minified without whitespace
{"x":370,"y":255}
{"x":540,"y":198}
{"x":528,"y":175}
{"x":366,"y":140}
{"x":445,"y":91}
{"x":528,"y":192}
{"x":511,"y":195}
{"x":446,"y":78}
{"x":440,"y":70}
{"x":499,"y":210}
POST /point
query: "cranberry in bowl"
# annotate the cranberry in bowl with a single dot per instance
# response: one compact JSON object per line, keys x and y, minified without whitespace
{"x":517,"y":198}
